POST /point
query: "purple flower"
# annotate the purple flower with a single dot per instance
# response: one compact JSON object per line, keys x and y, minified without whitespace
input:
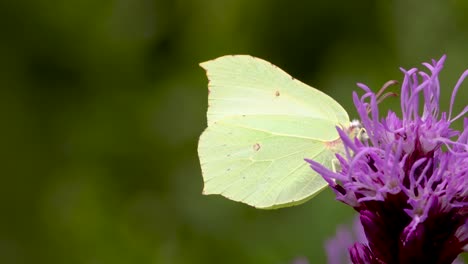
{"x":407,"y":176}
{"x":340,"y":249}
{"x":337,"y":247}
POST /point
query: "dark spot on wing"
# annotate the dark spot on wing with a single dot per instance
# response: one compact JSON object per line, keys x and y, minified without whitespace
{"x":256,"y":147}
{"x":277,"y":93}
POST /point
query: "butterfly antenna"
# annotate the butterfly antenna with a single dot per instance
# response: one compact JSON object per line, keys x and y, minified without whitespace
{"x":385,"y":96}
{"x":385,"y":86}
{"x":380,"y":96}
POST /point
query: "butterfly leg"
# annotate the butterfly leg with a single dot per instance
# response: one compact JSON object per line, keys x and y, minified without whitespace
{"x":335,"y":165}
{"x":362,"y":134}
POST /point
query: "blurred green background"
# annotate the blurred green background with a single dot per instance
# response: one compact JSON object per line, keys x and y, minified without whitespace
{"x":102,"y":103}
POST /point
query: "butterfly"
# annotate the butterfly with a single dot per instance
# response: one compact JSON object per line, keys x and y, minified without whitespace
{"x":262,"y":124}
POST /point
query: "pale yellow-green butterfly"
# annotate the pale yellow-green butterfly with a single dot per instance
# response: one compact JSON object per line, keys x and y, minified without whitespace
{"x":262,"y":123}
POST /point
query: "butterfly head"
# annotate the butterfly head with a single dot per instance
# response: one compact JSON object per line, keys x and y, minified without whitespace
{"x":356,"y":130}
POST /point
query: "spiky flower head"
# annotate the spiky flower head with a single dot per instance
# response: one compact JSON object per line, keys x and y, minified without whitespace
{"x":408,"y":179}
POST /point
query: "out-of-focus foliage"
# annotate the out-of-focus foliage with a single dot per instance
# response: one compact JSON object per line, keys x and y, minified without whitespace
{"x":102,"y":102}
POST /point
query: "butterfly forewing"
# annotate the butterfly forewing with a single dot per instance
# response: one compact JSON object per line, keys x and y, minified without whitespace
{"x":262,"y":123}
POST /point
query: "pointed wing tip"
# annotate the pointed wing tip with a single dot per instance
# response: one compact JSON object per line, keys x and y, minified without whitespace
{"x":205,"y":190}
{"x":205,"y":64}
